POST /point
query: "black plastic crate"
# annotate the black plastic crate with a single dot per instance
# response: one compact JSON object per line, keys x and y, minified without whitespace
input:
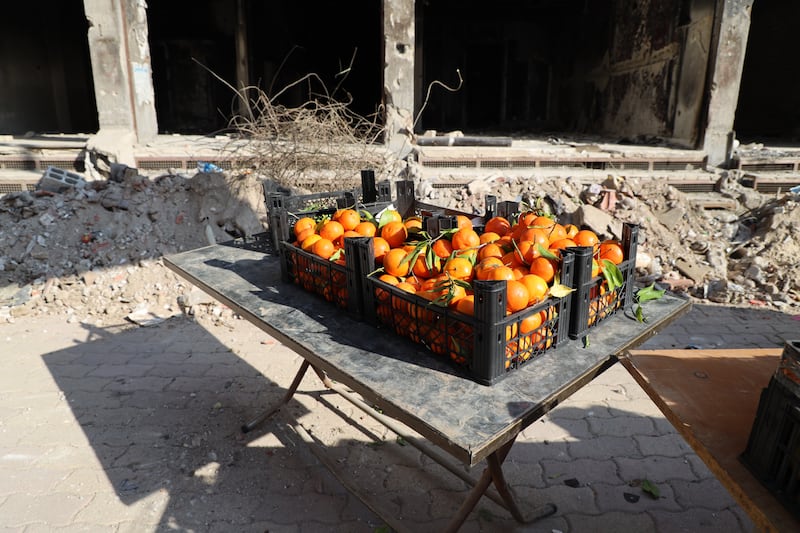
{"x":487,"y":346}
{"x":284,"y":210}
{"x":592,"y":302}
{"x":773,"y":449}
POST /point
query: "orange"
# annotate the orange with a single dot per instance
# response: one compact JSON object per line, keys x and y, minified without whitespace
{"x":466,"y":305}
{"x":465,"y":238}
{"x":348,"y":218}
{"x":483,"y":268}
{"x":366,"y":229}
{"x":531,"y":323}
{"x":323,"y":247}
{"x":394,"y":262}
{"x":304,"y":224}
{"x":501,"y":273}
{"x":442,"y":248}
{"x":421,"y":268}
{"x":463,"y":222}
{"x":571,"y":230}
{"x":543,"y":222}
{"x":489,"y":236}
{"x":490,"y":250}
{"x":612,"y":251}
{"x":586,"y":237}
{"x":544,"y":268}
{"x":537,"y":287}
{"x":537,"y":236}
{"x":304,"y":234}
{"x":498,"y":225}
{"x":557,"y":232}
{"x":380,"y":247}
{"x":562,"y":244}
{"x":391,"y":280}
{"x":517,"y":296}
{"x":309,"y":241}
{"x":413,"y":222}
{"x":395,"y":234}
{"x":331,"y":230}
{"x":459,"y":268}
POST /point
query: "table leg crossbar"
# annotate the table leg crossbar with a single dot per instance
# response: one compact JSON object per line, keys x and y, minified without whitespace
{"x":492,"y":475}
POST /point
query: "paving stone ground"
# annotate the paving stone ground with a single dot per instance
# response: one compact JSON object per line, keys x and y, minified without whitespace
{"x":137,"y":429}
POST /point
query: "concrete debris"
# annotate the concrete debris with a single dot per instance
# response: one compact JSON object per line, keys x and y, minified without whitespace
{"x":92,"y":254}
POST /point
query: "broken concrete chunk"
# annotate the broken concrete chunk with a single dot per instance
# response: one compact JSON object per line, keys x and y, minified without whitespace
{"x":692,"y":270}
{"x":598,"y":221}
{"x":671,"y":217}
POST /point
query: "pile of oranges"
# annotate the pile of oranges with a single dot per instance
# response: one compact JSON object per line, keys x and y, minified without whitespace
{"x":524,"y":252}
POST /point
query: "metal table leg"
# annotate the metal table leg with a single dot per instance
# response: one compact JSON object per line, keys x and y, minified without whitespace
{"x":494,"y":473}
{"x":250,"y":426}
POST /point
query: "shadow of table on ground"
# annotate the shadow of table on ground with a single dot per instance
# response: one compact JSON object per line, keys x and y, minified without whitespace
{"x":161,"y":409}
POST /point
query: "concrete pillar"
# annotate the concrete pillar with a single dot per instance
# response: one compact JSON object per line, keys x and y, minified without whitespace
{"x":122,"y":74}
{"x":733,"y":23}
{"x":398,"y":72}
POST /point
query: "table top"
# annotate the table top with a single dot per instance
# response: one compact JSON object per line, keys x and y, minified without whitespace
{"x":406,"y":381}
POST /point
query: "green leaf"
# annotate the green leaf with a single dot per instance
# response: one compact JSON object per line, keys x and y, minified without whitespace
{"x":651,"y":489}
{"x":645,"y":294}
{"x":586,"y":341}
{"x":367,"y":216}
{"x":336,"y":255}
{"x":613,"y":275}
{"x":386,"y":216}
{"x":544,"y":252}
{"x":640,"y":314}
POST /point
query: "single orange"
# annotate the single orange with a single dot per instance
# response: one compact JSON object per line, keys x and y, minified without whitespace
{"x":490,"y":250}
{"x":488,"y":237}
{"x":544,"y":268}
{"x":442,"y":248}
{"x":331,"y":230}
{"x":459,"y":268}
{"x":348,"y":218}
{"x":571,"y":230}
{"x":586,"y":237}
{"x":395,"y":234}
{"x":323,"y":248}
{"x":499,"y":225}
{"x":465,"y":238}
{"x":466,"y":305}
{"x":537,"y":287}
{"x":612,"y":251}
{"x":517,"y":296}
{"x":395,"y":263}
{"x":380,"y":247}
{"x":366,"y":229}
{"x":463,"y":222}
{"x":501,"y":273}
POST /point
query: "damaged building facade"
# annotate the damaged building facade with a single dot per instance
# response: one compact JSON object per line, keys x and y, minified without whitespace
{"x":696,"y":74}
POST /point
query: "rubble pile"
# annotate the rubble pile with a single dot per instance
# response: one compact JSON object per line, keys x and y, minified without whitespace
{"x":747,"y":256}
{"x":93,"y":253}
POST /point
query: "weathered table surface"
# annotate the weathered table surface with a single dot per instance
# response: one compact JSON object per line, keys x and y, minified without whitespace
{"x":468,"y":420}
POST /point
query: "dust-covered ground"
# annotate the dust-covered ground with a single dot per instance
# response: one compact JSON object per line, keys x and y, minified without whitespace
{"x":94,"y":253}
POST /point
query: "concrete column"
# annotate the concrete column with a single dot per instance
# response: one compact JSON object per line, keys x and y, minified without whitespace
{"x":123,"y":81}
{"x":733,"y":23}
{"x":398,"y":72}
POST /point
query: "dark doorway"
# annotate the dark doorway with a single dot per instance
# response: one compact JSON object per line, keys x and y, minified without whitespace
{"x":45,"y":70}
{"x":769,"y":98}
{"x":192,"y":61}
